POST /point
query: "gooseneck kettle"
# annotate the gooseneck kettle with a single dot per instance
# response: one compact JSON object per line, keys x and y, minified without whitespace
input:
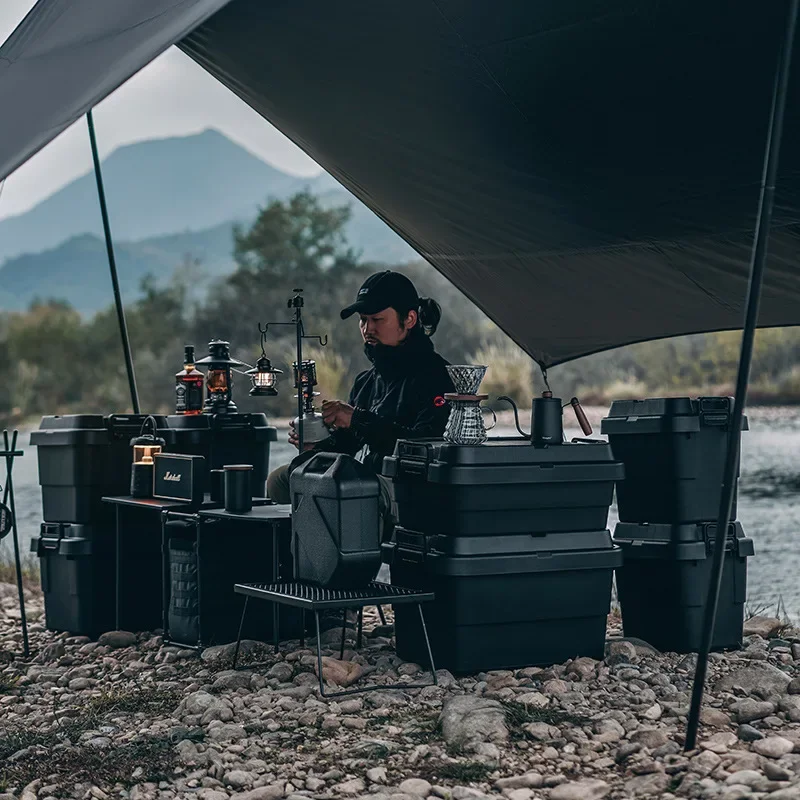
{"x":547,"y":421}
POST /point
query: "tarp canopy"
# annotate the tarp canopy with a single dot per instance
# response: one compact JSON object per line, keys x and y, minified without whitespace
{"x":587,"y":172}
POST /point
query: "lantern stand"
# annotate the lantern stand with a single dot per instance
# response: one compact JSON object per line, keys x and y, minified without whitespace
{"x":8,"y":524}
{"x":303,"y":387}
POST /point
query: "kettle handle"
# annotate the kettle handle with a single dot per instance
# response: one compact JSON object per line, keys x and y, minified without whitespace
{"x":516,"y":416}
{"x":581,"y":415}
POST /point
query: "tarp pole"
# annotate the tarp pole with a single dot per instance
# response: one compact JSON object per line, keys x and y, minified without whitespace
{"x":112,"y":265}
{"x":757,"y":263}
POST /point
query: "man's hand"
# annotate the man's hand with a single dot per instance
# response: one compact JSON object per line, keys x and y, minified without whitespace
{"x":336,"y":414}
{"x":294,"y":438}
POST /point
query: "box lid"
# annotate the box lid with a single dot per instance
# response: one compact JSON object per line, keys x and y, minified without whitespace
{"x":503,"y":544}
{"x":513,"y":564}
{"x":501,"y":451}
{"x":668,"y":415}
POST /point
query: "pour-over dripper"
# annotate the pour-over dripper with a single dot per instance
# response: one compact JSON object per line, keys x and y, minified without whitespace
{"x":466,"y":377}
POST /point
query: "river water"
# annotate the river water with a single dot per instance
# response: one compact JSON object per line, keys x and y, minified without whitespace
{"x":769,"y":504}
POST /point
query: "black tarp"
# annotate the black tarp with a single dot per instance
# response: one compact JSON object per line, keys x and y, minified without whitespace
{"x":587,"y":172}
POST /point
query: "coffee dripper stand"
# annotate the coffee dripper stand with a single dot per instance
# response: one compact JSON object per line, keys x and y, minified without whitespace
{"x":547,"y":426}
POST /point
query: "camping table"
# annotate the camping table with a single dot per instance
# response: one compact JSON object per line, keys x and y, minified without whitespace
{"x":316,"y":599}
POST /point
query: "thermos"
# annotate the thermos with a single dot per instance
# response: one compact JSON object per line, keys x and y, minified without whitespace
{"x":238,"y":488}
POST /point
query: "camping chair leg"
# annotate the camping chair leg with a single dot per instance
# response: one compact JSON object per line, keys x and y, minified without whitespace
{"x":427,"y":644}
{"x":359,"y":636}
{"x":344,"y":633}
{"x":380,"y":614}
{"x":319,"y":656}
{"x":241,"y":628}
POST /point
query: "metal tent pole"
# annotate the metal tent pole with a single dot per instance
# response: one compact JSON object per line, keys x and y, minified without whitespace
{"x":757,"y":264}
{"x":112,"y":265}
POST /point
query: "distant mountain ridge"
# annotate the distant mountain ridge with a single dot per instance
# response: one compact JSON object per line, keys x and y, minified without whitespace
{"x":168,"y":199}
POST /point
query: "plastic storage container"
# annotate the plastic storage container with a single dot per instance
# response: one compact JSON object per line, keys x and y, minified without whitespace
{"x":336,"y":522}
{"x":541,"y":605}
{"x":674,"y":455}
{"x":83,"y":457}
{"x":224,"y":439}
{"x":76,"y":563}
{"x":663,"y":584}
{"x":502,"y":486}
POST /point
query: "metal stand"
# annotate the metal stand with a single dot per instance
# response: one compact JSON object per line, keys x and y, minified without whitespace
{"x":10,"y":452}
{"x":296,"y":302}
{"x":757,"y":264}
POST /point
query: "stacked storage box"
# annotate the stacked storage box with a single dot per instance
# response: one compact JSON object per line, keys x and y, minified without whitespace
{"x":82,"y":458}
{"x":674,"y":452}
{"x":512,"y":539}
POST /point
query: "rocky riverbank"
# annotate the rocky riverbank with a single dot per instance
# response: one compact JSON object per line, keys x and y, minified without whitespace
{"x":128,"y":717}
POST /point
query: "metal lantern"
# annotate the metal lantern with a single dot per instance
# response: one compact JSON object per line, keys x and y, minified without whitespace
{"x":219,"y":382}
{"x":264,"y":378}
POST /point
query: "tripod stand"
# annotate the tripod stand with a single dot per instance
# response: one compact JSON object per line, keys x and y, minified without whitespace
{"x":8,"y":524}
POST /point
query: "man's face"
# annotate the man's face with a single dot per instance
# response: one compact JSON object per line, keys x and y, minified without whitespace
{"x":385,"y":327}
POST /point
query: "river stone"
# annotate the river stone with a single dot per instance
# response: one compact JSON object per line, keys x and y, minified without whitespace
{"x":754,"y":676}
{"x":281,"y":671}
{"x":652,"y":785}
{"x":750,"y":710}
{"x":415,"y":786}
{"x":467,"y":720}
{"x":714,"y":718}
{"x":775,"y":772}
{"x":224,"y":652}
{"x":591,"y":789}
{"x":238,"y":779}
{"x":271,"y":792}
{"x":765,"y":627}
{"x":117,"y":639}
{"x":747,"y":733}
{"x":230,"y":680}
{"x":650,"y":738}
{"x":791,"y":793}
{"x":530,"y":780}
{"x":773,"y":747}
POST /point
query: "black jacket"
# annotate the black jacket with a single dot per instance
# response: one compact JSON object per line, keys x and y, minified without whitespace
{"x":400,"y":397}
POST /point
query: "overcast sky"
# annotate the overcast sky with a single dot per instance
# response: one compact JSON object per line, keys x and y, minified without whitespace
{"x":172,"y":96}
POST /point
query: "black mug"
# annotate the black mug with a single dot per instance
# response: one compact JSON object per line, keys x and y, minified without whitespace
{"x":238,"y":488}
{"x":217,"y":485}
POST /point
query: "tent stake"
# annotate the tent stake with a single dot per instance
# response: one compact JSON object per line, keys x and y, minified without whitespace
{"x":112,"y":266}
{"x":757,"y":263}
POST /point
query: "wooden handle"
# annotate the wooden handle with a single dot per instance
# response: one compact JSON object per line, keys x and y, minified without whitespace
{"x":581,"y":415}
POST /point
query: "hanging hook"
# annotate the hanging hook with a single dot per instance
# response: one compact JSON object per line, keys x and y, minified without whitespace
{"x":323,"y":340}
{"x":544,"y":376}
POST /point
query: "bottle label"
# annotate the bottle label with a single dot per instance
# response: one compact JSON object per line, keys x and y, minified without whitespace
{"x":194,"y":396}
{"x":180,"y":398}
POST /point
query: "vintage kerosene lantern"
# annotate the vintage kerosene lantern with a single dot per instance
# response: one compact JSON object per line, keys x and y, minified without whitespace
{"x":264,"y":377}
{"x":219,"y":381}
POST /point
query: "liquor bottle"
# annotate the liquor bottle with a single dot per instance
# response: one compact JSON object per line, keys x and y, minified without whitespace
{"x":189,"y":386}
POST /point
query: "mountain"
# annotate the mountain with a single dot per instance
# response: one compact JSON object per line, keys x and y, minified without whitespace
{"x":169,"y":199}
{"x":154,"y":188}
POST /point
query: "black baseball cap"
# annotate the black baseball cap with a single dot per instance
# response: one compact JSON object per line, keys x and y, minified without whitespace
{"x":384,"y":290}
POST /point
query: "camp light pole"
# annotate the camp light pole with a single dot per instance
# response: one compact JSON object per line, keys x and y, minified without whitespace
{"x":757,"y":262}
{"x":112,"y":266}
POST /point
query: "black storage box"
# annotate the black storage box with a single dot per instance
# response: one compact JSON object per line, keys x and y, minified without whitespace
{"x":541,"y":605}
{"x":76,"y":563}
{"x":674,"y":455}
{"x":663,"y":584}
{"x":83,"y":457}
{"x":502,"y":486}
{"x":336,"y":522}
{"x":224,"y":439}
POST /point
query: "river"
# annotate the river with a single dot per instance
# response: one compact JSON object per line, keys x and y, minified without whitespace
{"x":769,"y":504}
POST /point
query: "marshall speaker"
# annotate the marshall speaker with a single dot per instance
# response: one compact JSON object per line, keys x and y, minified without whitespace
{"x":179,"y":477}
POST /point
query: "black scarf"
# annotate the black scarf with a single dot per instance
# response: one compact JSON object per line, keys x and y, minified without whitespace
{"x":395,"y":362}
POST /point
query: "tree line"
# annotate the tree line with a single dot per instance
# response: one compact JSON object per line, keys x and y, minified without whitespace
{"x":56,"y":361}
